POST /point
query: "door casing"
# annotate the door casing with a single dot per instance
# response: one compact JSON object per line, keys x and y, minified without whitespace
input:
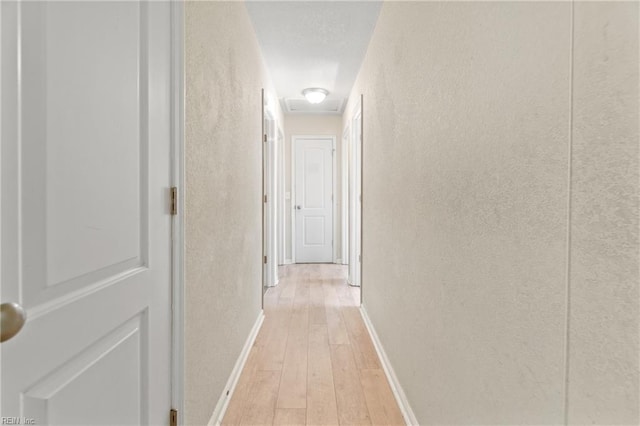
{"x":177,"y":226}
{"x":355,"y":196}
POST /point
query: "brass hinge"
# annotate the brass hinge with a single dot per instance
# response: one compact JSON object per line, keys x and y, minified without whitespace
{"x":173,"y":417}
{"x":265,"y":137}
{"x":174,"y":201}
{"x":265,"y":260}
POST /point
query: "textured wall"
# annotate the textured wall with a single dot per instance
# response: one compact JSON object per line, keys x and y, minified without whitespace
{"x":604,"y":308}
{"x":324,"y":125}
{"x":224,"y":77}
{"x":467,"y":134}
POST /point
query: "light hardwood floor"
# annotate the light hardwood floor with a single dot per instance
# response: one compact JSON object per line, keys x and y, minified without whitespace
{"x":313,"y":361}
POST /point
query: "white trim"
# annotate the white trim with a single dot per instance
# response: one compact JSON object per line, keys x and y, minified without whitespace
{"x":288,"y":262}
{"x":286,"y":107}
{"x":334,"y":201}
{"x":270,"y":269}
{"x":281,"y":216}
{"x":355,"y":188}
{"x":293,"y":192}
{"x":177,"y":225}
{"x":232,"y":382}
{"x":292,"y":200}
{"x":398,"y":392}
{"x":344,"y":214}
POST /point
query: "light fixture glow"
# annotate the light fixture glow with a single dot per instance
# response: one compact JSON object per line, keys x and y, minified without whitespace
{"x":315,"y":95}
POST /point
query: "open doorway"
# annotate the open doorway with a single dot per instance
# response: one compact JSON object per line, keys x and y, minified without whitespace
{"x":271,"y":194}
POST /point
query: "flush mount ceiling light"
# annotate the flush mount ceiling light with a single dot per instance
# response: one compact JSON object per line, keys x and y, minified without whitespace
{"x":315,"y":95}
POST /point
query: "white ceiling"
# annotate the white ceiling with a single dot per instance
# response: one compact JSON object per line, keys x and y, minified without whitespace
{"x":313,"y":44}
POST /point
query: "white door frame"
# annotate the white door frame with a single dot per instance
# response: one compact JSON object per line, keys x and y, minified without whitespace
{"x":294,"y":138}
{"x":177,"y":231}
{"x":355,"y":196}
{"x":281,"y":201}
{"x":270,"y":193}
{"x":344,"y":214}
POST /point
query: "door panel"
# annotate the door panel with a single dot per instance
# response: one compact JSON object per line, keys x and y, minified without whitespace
{"x":62,"y":399}
{"x":314,"y":231}
{"x":313,"y":195}
{"x":313,"y":178}
{"x":73,"y":151}
{"x":85,"y":177}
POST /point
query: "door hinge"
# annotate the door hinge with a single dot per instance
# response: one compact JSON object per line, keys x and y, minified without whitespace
{"x":265,"y":198}
{"x":174,"y":201}
{"x":265,"y":137}
{"x":265,"y":260}
{"x":173,"y":417}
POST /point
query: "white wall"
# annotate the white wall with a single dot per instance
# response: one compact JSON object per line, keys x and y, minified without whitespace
{"x":323,"y":125}
{"x":500,"y":247}
{"x":604,"y":295}
{"x":224,"y":77}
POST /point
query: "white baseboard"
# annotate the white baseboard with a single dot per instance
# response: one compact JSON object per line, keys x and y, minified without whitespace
{"x":227,"y":393}
{"x":350,"y":282}
{"x":288,"y":262}
{"x":339,"y":261}
{"x":401,"y":398}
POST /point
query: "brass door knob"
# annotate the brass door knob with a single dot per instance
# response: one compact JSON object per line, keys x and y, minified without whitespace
{"x":12,"y":318}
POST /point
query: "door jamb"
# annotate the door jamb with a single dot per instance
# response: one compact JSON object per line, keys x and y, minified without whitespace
{"x":270,"y":190}
{"x":356,"y":195}
{"x":344,"y":213}
{"x":281,"y":216}
{"x":361,"y":190}
{"x":293,"y":192}
{"x":177,"y":223}
{"x":334,"y":204}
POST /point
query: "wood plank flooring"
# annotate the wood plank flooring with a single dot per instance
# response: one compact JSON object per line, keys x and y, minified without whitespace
{"x":313,"y":362}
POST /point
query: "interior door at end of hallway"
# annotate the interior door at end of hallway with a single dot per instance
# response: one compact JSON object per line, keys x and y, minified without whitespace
{"x":313,"y":208}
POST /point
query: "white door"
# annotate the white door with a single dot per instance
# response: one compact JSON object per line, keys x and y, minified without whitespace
{"x":85,"y":220}
{"x":270,"y":191}
{"x":313,"y":204}
{"x":270,"y":202}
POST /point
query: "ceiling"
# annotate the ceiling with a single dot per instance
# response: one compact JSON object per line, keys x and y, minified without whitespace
{"x":313,"y":44}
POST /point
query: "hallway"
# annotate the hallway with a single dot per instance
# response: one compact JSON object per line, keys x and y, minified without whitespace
{"x":313,"y":361}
